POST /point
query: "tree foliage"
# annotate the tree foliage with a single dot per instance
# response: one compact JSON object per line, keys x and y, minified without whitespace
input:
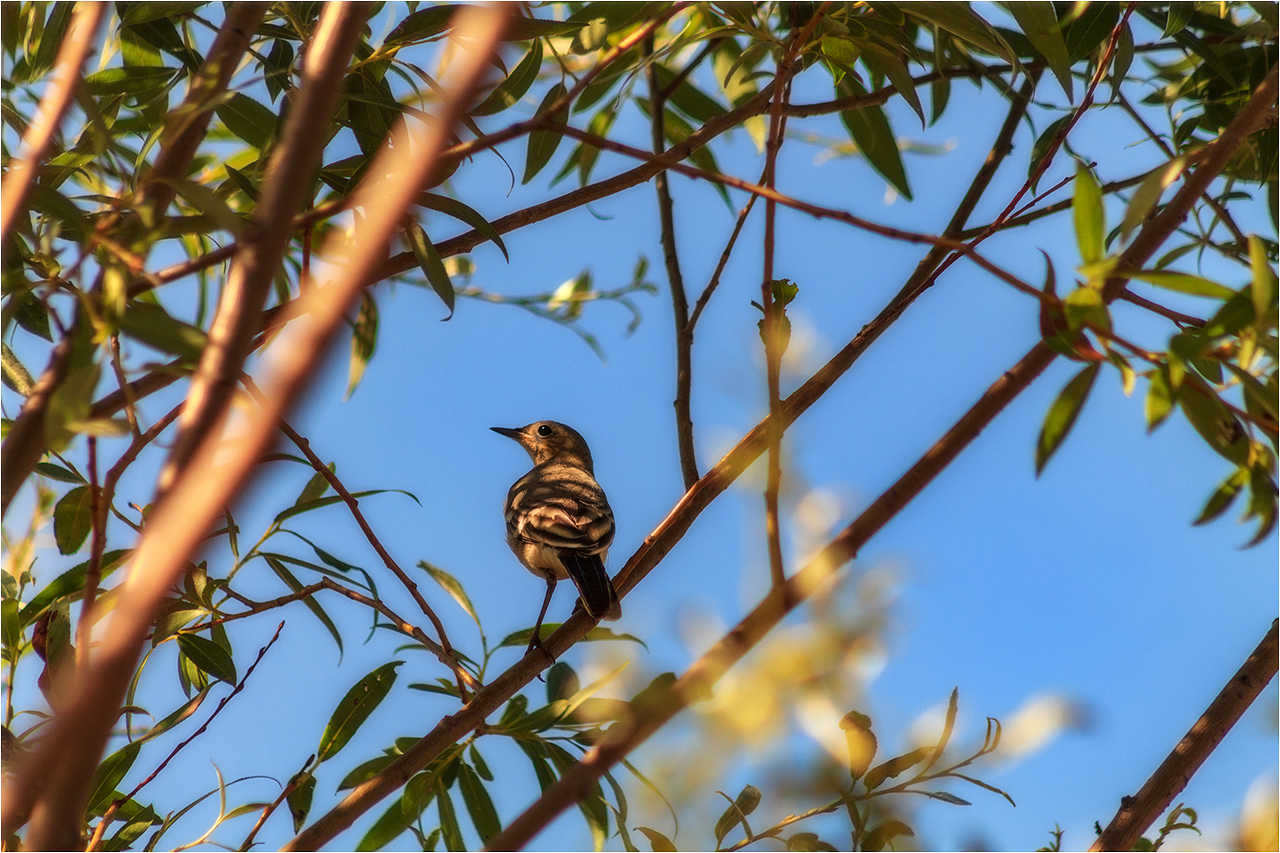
{"x":177,"y":220}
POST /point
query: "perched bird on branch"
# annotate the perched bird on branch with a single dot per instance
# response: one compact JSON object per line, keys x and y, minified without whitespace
{"x":559,"y":524}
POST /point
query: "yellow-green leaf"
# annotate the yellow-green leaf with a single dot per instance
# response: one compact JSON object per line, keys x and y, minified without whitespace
{"x":1090,"y":219}
{"x":1063,"y":413}
{"x":355,"y":708}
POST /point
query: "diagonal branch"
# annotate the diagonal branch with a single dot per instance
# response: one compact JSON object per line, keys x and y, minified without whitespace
{"x":35,"y":142}
{"x":1140,"y":811}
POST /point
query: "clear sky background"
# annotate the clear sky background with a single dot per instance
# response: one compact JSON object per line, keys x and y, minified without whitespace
{"x":1086,"y":590}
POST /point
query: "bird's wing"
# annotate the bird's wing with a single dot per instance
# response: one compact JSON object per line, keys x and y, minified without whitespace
{"x":562,"y":507}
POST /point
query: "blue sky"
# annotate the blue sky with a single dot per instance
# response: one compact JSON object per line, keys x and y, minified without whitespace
{"x":1087,"y":584}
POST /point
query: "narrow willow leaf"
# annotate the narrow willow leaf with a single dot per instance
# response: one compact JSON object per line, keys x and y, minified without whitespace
{"x":68,"y":583}
{"x":109,"y":773}
{"x":134,"y":80}
{"x":870,"y":130}
{"x":209,"y":203}
{"x":208,"y":656}
{"x":299,"y":800}
{"x":1090,"y":219}
{"x":429,"y":261}
{"x":543,"y":142}
{"x":72,"y":520}
{"x":449,"y":828}
{"x":355,"y":708}
{"x":152,"y":325}
{"x":1184,"y":283}
{"x":479,"y":805}
{"x":961,"y":21}
{"x":364,"y":340}
{"x":1062,"y":415}
{"x":458,"y":210}
{"x":1213,"y":420}
{"x":1040,"y":25}
{"x":744,"y":804}
{"x":248,"y":120}
{"x":314,"y":606}
{"x":883,"y":61}
{"x":451,"y":585}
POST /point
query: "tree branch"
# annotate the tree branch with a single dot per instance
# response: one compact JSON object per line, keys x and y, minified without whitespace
{"x":1138,"y":812}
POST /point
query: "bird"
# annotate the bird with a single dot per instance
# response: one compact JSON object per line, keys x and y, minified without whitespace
{"x":559,"y":523}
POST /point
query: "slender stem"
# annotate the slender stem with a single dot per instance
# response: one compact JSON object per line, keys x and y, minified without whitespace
{"x":671,"y":260}
{"x":724,"y":260}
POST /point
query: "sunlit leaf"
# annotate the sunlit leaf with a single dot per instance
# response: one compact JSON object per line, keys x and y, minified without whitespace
{"x":1062,"y":415}
{"x":1090,"y":220}
{"x":72,"y":520}
{"x":355,"y":708}
{"x":1040,"y":25}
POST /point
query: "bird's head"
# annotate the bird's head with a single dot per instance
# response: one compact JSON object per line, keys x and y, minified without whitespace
{"x":548,"y":440}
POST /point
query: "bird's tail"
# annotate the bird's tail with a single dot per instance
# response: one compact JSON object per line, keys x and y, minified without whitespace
{"x":594,"y":588}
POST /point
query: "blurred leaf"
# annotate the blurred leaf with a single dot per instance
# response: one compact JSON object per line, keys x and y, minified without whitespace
{"x":364,"y":340}
{"x":68,"y":583}
{"x":960,"y":21}
{"x":1183,"y":283}
{"x":744,"y":804}
{"x":946,"y":797}
{"x":355,"y":708}
{"x":429,"y":261}
{"x":877,"y":775}
{"x":883,"y":61}
{"x":135,"y":81}
{"x":183,"y":713}
{"x":597,"y":634}
{"x":861,"y":742}
{"x":1178,"y":15}
{"x":57,"y":472}
{"x":1263,"y":288}
{"x":870,"y":130}
{"x":249,"y":120}
{"x":208,"y":203}
{"x":1222,"y":498}
{"x":421,"y":25}
{"x":1160,"y":398}
{"x":1040,"y":25}
{"x":138,"y":13}
{"x":208,"y":656}
{"x":451,"y":585}
{"x":686,"y":97}
{"x":319,"y":503}
{"x":152,"y":325}
{"x":1089,"y":32}
{"x":882,"y":835}
{"x":543,"y":142}
{"x":1213,"y":420}
{"x":1147,"y":195}
{"x":72,"y":520}
{"x":1090,"y":220}
{"x":1062,"y":415}
{"x":657,"y":841}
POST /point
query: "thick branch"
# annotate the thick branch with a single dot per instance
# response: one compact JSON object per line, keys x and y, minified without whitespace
{"x":1140,"y":811}
{"x":35,"y":142}
{"x":267,"y":235}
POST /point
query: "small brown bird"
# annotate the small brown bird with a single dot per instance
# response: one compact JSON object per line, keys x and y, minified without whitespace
{"x":559,"y":524}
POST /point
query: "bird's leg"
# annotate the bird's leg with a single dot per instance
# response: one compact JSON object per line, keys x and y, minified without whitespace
{"x":536,"y":640}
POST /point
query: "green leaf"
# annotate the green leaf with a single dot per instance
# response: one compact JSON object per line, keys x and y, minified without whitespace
{"x":72,"y":520}
{"x":429,"y":261}
{"x":109,"y":773}
{"x":135,"y":81}
{"x":458,"y":210}
{"x":597,"y":634}
{"x":1090,"y":219}
{"x":483,"y":815}
{"x":1184,"y":283}
{"x":314,"y":606}
{"x":961,"y":21}
{"x":138,"y":13}
{"x":870,"y":130}
{"x":208,"y":203}
{"x":686,"y":97}
{"x":1040,"y":25}
{"x":152,"y":325}
{"x":1062,"y":415}
{"x":883,"y":61}
{"x":1089,"y":32}
{"x":509,"y":92}
{"x":68,"y":583}
{"x":248,"y":120}
{"x":449,"y":828}
{"x":71,"y":399}
{"x":183,"y":713}
{"x":208,"y":656}
{"x":1178,"y":16}
{"x":451,"y":585}
{"x":319,"y":503}
{"x":544,"y":141}
{"x":1148,"y":193}
{"x":355,"y":708}
{"x":422,"y":25}
{"x":299,"y":801}
{"x":364,"y":340}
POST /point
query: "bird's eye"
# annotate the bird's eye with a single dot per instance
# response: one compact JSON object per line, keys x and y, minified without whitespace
{"x":544,"y":430}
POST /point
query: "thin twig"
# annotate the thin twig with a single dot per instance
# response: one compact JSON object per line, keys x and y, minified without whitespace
{"x":671,"y":260}
{"x":445,"y":650}
{"x":724,"y":260}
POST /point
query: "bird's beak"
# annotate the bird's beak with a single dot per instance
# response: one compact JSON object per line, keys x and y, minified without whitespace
{"x":513,"y":434}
